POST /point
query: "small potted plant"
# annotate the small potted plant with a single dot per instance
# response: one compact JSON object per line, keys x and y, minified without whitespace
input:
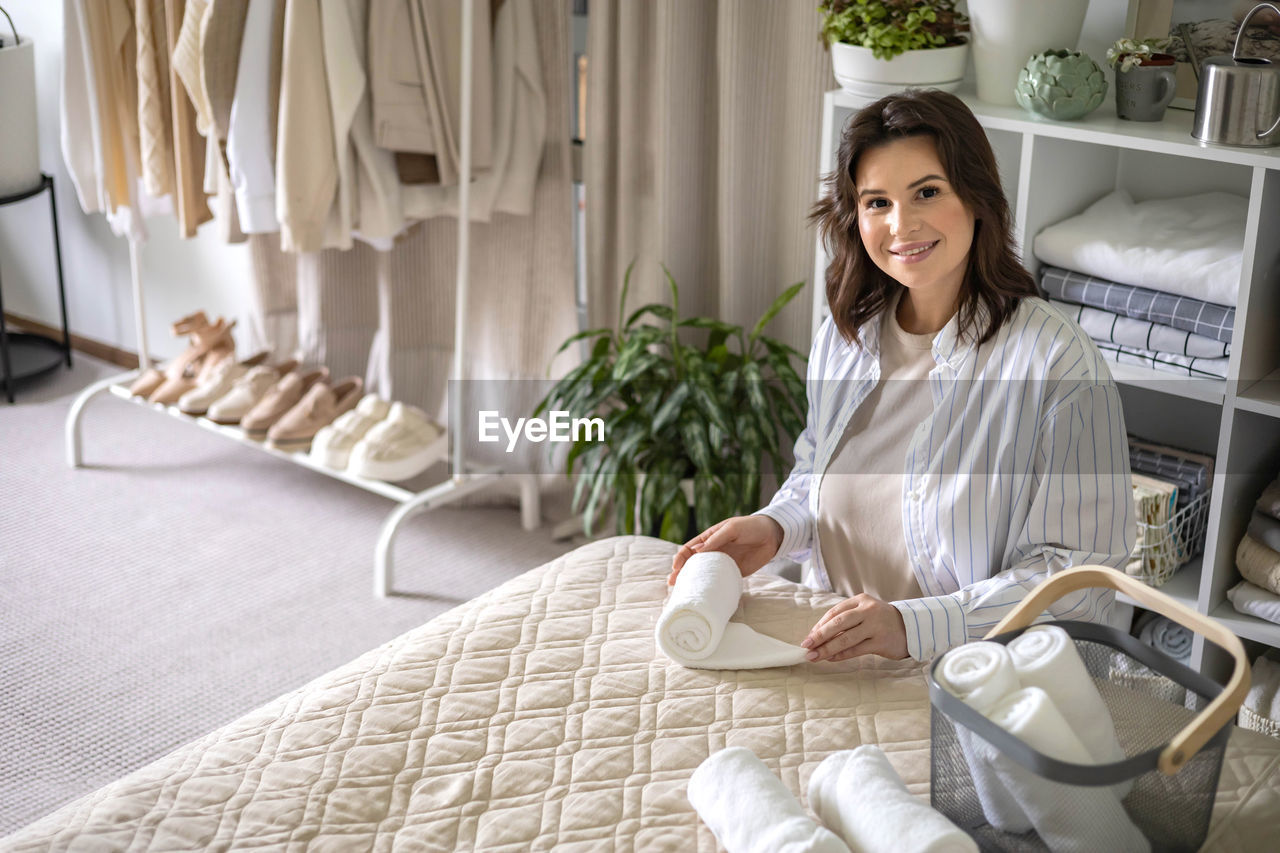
{"x":1145,"y":78}
{"x":688,"y":425}
{"x":881,"y":46}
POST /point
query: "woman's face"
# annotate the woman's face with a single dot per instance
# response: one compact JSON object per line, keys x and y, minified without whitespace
{"x":912,"y":223}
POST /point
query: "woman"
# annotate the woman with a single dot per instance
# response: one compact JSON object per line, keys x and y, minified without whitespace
{"x":964,"y":439}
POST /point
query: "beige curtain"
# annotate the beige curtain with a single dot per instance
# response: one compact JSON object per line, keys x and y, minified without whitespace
{"x":703,"y":126}
{"x":389,"y":316}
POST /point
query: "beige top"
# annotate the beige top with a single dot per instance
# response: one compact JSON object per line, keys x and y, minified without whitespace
{"x":860,"y":500}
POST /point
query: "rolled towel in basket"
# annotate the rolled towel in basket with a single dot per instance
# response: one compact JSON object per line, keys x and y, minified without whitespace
{"x":858,"y":794}
{"x":1068,"y":818}
{"x":750,"y":810}
{"x":980,"y":674}
{"x":694,"y":629}
{"x":1045,"y":656}
{"x":1163,"y":634}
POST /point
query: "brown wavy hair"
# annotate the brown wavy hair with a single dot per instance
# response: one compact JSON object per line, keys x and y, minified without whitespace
{"x":857,"y":289}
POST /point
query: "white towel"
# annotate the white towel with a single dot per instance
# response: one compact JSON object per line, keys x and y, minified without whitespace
{"x":1191,"y":246}
{"x":857,"y":793}
{"x":750,"y":810}
{"x":694,"y":629}
{"x":980,"y":674}
{"x":1255,"y":601}
{"x":1045,"y":656}
{"x":1068,"y":818}
{"x":1263,"y":697}
{"x":1163,"y":634}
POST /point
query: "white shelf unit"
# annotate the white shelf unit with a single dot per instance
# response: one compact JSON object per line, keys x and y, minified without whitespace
{"x":1052,"y":170}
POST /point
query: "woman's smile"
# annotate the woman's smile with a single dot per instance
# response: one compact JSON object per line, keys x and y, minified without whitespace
{"x":913,"y":253}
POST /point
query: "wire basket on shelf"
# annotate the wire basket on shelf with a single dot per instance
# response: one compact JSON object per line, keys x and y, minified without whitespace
{"x":1163,"y":548}
{"x":1162,"y":790}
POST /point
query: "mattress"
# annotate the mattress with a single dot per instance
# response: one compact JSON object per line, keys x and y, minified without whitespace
{"x":540,"y":715}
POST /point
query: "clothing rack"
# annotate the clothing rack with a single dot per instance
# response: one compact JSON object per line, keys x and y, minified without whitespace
{"x":465,"y":480}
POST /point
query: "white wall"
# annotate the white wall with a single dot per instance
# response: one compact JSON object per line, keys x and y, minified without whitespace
{"x":178,"y":275}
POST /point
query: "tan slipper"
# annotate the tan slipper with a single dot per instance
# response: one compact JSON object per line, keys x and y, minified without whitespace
{"x":317,"y":408}
{"x":282,"y":397}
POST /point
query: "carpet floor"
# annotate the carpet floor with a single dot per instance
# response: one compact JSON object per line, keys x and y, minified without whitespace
{"x":180,"y":580}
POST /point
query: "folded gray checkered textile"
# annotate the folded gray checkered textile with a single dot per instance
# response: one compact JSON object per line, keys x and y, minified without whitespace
{"x":1108,"y":326}
{"x":1191,"y":478}
{"x":1167,"y":362}
{"x":1180,"y":312}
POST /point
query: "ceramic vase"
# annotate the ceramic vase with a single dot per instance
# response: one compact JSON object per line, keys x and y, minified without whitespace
{"x":1061,"y":85}
{"x":1005,"y":33}
{"x":19,"y":137}
{"x":859,"y":72}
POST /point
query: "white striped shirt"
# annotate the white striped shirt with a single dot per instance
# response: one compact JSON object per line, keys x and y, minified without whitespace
{"x":1022,"y":470}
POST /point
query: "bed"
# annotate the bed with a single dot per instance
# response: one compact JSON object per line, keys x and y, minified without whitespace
{"x":536,"y":716}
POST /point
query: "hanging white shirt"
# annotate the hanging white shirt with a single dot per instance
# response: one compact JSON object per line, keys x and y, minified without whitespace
{"x":1021,"y":470}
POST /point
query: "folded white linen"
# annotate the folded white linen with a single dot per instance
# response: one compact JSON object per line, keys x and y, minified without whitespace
{"x":980,"y":674}
{"x":1068,"y":818}
{"x":1255,"y":601}
{"x":858,"y":794}
{"x":694,"y":629}
{"x":1263,"y":697}
{"x":1168,"y":636}
{"x":1045,"y":656}
{"x":1192,"y":246}
{"x":750,"y":810}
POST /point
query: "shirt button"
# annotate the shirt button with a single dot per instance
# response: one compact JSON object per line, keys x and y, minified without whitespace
{"x":915,"y":496}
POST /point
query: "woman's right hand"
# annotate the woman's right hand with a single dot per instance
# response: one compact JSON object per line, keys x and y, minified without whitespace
{"x":751,"y":540}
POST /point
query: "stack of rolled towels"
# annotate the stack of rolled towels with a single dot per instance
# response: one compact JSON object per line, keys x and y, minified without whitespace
{"x":855,"y":792}
{"x":1038,"y":689}
{"x":1258,"y":559}
{"x":1153,"y":283}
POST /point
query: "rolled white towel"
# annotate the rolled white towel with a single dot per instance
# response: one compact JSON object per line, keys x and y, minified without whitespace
{"x":857,"y":793}
{"x":694,"y":629}
{"x":1068,"y":818}
{"x":1045,"y":656}
{"x":980,"y":674}
{"x":750,"y":810}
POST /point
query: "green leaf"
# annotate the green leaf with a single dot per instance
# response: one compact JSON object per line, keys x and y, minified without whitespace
{"x":622,"y":298}
{"x":778,"y":305}
{"x":695,"y":443}
{"x":670,"y":408}
{"x":589,"y":333}
{"x":657,"y":309}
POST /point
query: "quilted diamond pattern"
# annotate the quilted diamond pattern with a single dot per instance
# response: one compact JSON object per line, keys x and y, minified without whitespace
{"x":536,"y":716}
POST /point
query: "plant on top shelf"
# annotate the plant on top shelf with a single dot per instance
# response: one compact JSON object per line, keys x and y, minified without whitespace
{"x":710,"y":412}
{"x":1126,"y":54}
{"x":891,"y":27}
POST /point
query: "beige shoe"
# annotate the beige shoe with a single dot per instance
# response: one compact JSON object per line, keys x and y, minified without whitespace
{"x":317,"y":409}
{"x":215,"y":344}
{"x":246,"y":391}
{"x":223,"y":377}
{"x":332,"y":445}
{"x":404,"y":445}
{"x":282,"y":397}
{"x":151,"y":378}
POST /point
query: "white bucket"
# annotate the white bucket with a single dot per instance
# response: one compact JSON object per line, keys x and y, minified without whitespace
{"x":19,"y":132}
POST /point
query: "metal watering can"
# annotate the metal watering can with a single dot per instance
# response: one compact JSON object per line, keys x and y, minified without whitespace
{"x":1238,"y":102}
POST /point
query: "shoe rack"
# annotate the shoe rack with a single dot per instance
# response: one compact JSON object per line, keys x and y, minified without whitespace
{"x":465,"y":479}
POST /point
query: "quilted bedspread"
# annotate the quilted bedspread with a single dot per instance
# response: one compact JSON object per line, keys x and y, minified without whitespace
{"x":540,"y":715}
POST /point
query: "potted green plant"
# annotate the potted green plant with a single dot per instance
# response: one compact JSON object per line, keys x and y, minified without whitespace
{"x":881,"y":46}
{"x":1145,"y":77}
{"x":688,"y":425}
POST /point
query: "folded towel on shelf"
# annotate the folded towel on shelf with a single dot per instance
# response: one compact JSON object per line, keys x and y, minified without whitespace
{"x":980,"y":674}
{"x":1263,"y":697}
{"x":1253,"y":600}
{"x":1163,"y":634}
{"x":1102,"y":325}
{"x":749,"y":809}
{"x":1182,"y":365}
{"x":1192,"y":245}
{"x":1265,"y":529}
{"x":1067,"y":817}
{"x":1179,"y":312}
{"x":1269,"y":500}
{"x":1156,"y":551}
{"x":1045,"y":656}
{"x":858,"y":794}
{"x":694,"y":629}
{"x":1258,"y":564}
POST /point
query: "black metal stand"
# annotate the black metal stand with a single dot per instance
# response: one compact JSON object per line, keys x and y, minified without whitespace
{"x":25,"y":355}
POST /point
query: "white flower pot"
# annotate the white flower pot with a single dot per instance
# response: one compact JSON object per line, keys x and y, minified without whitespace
{"x":859,"y":72}
{"x":19,"y":140}
{"x":1007,"y":33}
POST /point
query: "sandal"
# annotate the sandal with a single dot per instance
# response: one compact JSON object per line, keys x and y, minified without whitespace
{"x":196,"y":364}
{"x":151,"y":378}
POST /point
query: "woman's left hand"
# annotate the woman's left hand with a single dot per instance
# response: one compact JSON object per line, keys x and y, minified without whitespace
{"x":862,"y":625}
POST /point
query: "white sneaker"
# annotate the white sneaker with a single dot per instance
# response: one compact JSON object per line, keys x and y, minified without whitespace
{"x":247,"y":391}
{"x":402,"y":446}
{"x":332,"y":445}
{"x":224,"y":375}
